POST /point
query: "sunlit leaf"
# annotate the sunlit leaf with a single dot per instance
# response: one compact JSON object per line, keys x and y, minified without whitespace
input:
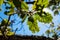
{"x":45,"y":19}
{"x":41,"y":4}
{"x":33,"y":7}
{"x":9,"y":33}
{"x":24,"y":5}
{"x":8,"y":29}
{"x":33,"y":26}
{"x":1,"y":2}
{"x":44,"y":2}
{"x":11,"y":4}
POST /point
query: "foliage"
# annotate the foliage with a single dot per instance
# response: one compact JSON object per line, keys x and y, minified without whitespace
{"x":1,"y":2}
{"x":4,"y":22}
{"x":53,"y":31}
{"x":45,"y":18}
{"x":40,"y":4}
{"x":22,"y":11}
{"x":33,"y":26}
{"x":8,"y":32}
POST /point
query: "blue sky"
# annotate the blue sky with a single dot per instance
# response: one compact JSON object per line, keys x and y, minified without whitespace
{"x":25,"y":30}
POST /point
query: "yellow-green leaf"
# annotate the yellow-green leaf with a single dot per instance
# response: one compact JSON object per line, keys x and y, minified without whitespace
{"x":11,"y":4}
{"x":0,"y":32}
{"x":9,"y":33}
{"x":45,"y":19}
{"x":1,"y":2}
{"x":33,"y":26}
{"x":24,"y":5}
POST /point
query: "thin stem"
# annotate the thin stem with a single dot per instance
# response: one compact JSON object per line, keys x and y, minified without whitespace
{"x":4,"y":30}
{"x":1,"y":18}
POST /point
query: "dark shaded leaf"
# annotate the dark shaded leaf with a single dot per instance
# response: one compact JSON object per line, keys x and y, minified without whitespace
{"x":31,"y":19}
{"x":56,"y":12}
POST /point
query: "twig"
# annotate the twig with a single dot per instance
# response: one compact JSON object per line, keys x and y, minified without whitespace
{"x":1,"y":18}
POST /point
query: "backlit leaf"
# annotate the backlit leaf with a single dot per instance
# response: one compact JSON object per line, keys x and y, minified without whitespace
{"x":1,"y":2}
{"x":45,"y":19}
{"x":41,"y":3}
{"x":33,"y":26}
{"x":24,"y":5}
{"x":9,"y":33}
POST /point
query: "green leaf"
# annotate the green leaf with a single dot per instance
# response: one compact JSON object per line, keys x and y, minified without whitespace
{"x":1,"y":2}
{"x":31,"y":19}
{"x":43,"y":2}
{"x":11,"y":4}
{"x":8,"y":29}
{"x":24,"y":5}
{"x":9,"y":12}
{"x":34,"y":7}
{"x":21,"y":4}
{"x":45,"y":19}
{"x":56,"y":12}
{"x":0,"y":33}
{"x":4,"y":22}
{"x":9,"y":33}
{"x":37,"y":2}
{"x":33,"y":26}
{"x":48,"y":32}
{"x":54,"y":7}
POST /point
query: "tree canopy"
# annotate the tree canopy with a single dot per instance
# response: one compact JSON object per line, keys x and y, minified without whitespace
{"x":35,"y":15}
